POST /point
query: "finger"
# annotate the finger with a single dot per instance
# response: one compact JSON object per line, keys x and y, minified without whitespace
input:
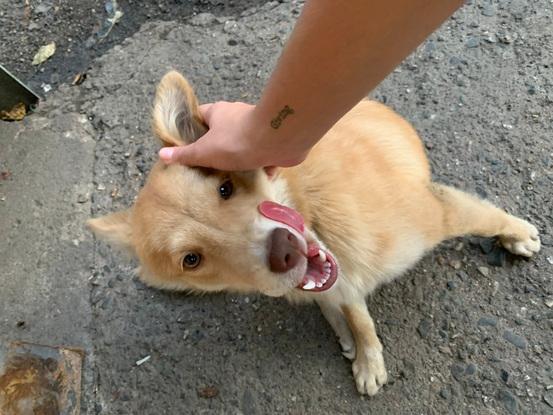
{"x":205,"y":111}
{"x":188,"y":155}
{"x":271,"y":171}
{"x":166,"y":154}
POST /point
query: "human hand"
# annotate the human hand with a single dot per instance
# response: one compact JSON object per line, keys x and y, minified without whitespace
{"x":236,"y":141}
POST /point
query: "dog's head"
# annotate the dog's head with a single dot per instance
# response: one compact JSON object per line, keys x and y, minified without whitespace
{"x":205,"y":230}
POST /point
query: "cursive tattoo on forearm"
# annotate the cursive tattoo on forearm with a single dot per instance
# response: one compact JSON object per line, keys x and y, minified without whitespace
{"x":283,"y":113}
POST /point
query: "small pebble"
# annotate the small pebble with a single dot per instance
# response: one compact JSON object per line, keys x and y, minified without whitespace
{"x":497,"y":257}
{"x":504,"y":375}
{"x":470,"y":369}
{"x":424,"y":328}
{"x":455,"y":264}
{"x":548,"y":399}
{"x":230,"y":26}
{"x":484,"y":271}
{"x":457,"y":371}
{"x":203,"y":19}
{"x":549,"y":302}
{"x":515,"y":339}
{"x":495,"y":288}
{"x":473,"y":42}
{"x":509,"y":401}
{"x":488,"y":10}
{"x":487,"y":321}
{"x":505,"y":38}
{"x":445,"y":350}
{"x":445,"y":393}
{"x":486,"y":245}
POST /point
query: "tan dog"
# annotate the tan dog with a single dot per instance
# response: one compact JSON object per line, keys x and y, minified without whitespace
{"x":369,"y":211}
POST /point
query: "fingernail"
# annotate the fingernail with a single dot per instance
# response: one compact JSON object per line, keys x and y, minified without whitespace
{"x":166,"y":153}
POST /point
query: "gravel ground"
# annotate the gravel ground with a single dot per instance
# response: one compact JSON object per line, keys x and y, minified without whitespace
{"x":77,"y":27}
{"x":467,"y":331}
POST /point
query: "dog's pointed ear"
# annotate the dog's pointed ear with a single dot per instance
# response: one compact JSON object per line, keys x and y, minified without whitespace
{"x":115,"y":229}
{"x":176,"y":117}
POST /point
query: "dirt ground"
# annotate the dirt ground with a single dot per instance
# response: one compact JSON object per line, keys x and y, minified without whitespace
{"x":468,"y":331}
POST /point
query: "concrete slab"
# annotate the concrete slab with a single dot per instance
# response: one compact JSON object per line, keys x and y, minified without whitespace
{"x":46,"y":254}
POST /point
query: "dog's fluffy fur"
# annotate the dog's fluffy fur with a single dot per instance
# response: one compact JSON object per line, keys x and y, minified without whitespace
{"x":365,"y":193}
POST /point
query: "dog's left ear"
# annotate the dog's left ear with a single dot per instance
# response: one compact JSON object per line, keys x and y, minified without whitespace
{"x":176,"y":116}
{"x":115,"y":229}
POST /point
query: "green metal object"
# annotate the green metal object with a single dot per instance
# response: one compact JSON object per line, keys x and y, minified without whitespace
{"x":13,"y":92}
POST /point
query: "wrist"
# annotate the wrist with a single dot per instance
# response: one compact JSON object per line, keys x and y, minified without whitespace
{"x":275,"y":141}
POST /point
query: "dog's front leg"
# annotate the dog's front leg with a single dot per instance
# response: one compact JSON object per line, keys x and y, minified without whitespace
{"x":335,"y":316}
{"x":369,"y":370}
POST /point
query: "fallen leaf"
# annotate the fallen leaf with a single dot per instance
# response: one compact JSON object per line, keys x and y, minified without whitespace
{"x":44,"y":53}
{"x":16,"y":113}
{"x":4,"y":175}
{"x":79,"y":79}
{"x":208,"y":392}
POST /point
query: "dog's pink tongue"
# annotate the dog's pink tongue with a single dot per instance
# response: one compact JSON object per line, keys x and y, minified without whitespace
{"x":282,"y":214}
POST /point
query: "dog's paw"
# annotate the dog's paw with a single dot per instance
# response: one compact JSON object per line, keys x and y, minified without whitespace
{"x":521,"y":238}
{"x":369,"y":371}
{"x":348,"y":347}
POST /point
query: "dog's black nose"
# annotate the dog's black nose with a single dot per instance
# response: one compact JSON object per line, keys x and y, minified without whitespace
{"x":284,"y":250}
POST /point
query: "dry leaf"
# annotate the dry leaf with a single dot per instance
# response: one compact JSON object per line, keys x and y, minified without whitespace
{"x":208,"y":392}
{"x":44,"y":53}
{"x":79,"y":79}
{"x":16,"y":113}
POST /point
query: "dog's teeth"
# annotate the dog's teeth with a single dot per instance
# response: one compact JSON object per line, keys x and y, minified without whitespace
{"x":327,"y":266}
{"x":310,"y":285}
{"x":327,"y":273}
{"x":322,"y":256}
{"x":324,"y":280}
{"x":319,"y":284}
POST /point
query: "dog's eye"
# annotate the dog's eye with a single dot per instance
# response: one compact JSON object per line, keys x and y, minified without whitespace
{"x":191,"y":260}
{"x":225,"y":190}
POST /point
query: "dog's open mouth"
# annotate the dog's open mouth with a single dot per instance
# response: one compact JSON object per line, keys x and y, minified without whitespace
{"x":321,"y":270}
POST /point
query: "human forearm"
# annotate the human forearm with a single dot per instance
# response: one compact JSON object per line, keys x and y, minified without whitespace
{"x":337,"y":53}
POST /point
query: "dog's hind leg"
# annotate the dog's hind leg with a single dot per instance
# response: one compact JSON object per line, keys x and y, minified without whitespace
{"x":334,"y":315}
{"x":464,"y":214}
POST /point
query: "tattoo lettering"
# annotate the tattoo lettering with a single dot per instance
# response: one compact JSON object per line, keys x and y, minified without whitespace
{"x":284,"y":112}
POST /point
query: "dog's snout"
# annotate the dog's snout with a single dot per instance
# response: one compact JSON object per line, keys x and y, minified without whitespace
{"x":284,"y":250}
